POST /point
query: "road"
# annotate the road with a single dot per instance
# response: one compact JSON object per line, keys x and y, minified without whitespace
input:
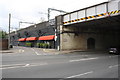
{"x":34,"y":63}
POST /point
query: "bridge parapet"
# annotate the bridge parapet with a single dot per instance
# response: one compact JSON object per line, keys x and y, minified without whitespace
{"x":102,"y":10}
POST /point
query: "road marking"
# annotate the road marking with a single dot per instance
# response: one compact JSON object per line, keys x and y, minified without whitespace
{"x":12,"y":65}
{"x":43,"y":49}
{"x":21,"y":65}
{"x":35,"y":52}
{"x":21,"y":50}
{"x":113,"y":66}
{"x":83,"y":59}
{"x":113,"y":56}
{"x":10,"y":53}
{"x":27,"y":65}
{"x":32,"y":49}
{"x":38,"y":53}
{"x":80,"y":74}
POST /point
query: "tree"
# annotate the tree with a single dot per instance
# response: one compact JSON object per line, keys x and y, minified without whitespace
{"x":3,"y":34}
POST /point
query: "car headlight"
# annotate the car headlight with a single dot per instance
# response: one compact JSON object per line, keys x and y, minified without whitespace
{"x":111,"y":51}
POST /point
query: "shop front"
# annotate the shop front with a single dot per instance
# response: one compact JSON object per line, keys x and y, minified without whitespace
{"x":21,"y":41}
{"x":31,"y":41}
{"x":46,"y":41}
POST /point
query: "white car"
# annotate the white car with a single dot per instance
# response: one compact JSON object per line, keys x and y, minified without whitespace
{"x":114,"y":50}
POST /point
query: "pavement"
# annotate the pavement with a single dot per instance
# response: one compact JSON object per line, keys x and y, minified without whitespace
{"x":17,"y":49}
{"x":27,"y":64}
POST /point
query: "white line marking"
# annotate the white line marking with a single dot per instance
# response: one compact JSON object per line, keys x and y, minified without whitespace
{"x":80,"y":74}
{"x":113,"y":56}
{"x":38,"y":53}
{"x":24,"y":65}
{"x":35,"y":52}
{"x":43,"y":49}
{"x":27,"y":65}
{"x":32,"y":49}
{"x":10,"y":53}
{"x":19,"y":50}
{"x":83,"y":59}
{"x":23,"y":50}
{"x":12,"y":65}
{"x":113,"y":66}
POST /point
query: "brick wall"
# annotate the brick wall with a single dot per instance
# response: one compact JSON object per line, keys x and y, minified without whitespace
{"x":41,"y":29}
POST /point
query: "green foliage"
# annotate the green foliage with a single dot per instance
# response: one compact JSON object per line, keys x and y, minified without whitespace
{"x":43,"y":45}
{"x":3,"y":34}
{"x":38,"y":44}
{"x":29,"y":44}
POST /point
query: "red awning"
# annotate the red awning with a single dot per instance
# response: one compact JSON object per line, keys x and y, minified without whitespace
{"x":31,"y":39}
{"x":22,"y":39}
{"x":50,"y":37}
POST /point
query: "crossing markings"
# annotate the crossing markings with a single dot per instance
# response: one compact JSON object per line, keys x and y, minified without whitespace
{"x":95,"y":16}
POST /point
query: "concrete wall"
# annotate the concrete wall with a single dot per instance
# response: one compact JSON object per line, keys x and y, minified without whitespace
{"x":70,"y":41}
{"x":58,"y":27}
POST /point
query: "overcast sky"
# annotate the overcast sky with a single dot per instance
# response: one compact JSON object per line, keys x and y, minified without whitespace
{"x":30,"y":10}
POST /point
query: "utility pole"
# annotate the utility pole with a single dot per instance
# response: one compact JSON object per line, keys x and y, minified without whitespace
{"x":52,"y":9}
{"x":27,"y":23}
{"x":9,"y":31}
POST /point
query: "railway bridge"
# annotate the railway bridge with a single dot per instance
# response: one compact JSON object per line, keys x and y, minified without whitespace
{"x":96,"y":27}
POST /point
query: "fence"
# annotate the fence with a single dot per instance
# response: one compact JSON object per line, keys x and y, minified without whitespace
{"x":3,"y":44}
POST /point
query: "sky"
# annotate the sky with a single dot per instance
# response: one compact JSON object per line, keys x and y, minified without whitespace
{"x":36,"y":10}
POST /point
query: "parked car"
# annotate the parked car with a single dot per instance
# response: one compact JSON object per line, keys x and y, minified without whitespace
{"x":114,"y":50}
